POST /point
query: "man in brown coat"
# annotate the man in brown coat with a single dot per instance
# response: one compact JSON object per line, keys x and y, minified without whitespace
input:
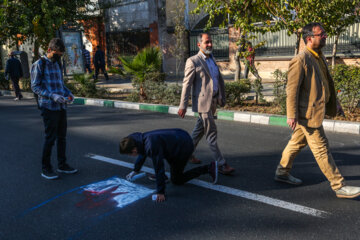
{"x":203,"y":77}
{"x":311,"y":95}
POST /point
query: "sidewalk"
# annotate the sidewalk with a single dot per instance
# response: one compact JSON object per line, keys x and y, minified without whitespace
{"x":117,"y":84}
{"x":246,"y":117}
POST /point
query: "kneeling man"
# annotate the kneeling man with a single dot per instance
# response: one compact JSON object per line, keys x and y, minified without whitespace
{"x":174,"y":145}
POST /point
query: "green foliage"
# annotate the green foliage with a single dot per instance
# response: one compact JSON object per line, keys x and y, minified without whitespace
{"x":242,"y":13}
{"x":155,"y":91}
{"x":347,"y":84}
{"x":116,"y":70}
{"x":26,"y":84}
{"x":343,"y":14}
{"x":4,"y":84}
{"x":39,"y":19}
{"x":158,"y":92}
{"x":146,"y":61}
{"x":134,"y":96}
{"x":172,"y":94}
{"x":274,"y":15}
{"x":83,"y":85}
{"x":280,"y":89}
{"x":234,"y":91}
{"x":120,"y":69}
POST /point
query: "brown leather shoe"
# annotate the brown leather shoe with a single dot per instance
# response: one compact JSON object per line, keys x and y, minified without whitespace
{"x":226,"y":169}
{"x":194,"y":160}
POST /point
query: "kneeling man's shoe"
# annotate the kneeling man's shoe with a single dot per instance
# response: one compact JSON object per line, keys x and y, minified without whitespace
{"x":288,"y":179}
{"x":194,"y":160}
{"x":348,"y":192}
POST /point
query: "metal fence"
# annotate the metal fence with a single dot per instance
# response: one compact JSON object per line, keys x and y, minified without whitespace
{"x":280,"y":44}
{"x":220,"y":38}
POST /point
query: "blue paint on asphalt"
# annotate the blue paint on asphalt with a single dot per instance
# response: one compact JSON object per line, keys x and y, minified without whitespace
{"x":137,"y":191}
{"x":93,"y":223}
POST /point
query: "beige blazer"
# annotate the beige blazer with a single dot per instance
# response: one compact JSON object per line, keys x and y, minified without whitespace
{"x":198,"y":79}
{"x":305,"y":99}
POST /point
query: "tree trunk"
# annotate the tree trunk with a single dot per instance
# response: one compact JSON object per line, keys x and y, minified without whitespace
{"x":36,"y":51}
{"x":333,"y":57}
{"x":297,"y":46}
{"x":237,"y":67}
{"x":161,"y":16}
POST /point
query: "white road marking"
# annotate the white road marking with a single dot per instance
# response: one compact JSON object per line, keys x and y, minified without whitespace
{"x":228,"y":190}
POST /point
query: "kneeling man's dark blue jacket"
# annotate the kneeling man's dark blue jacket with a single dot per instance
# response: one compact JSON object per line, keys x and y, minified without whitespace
{"x":170,"y":144}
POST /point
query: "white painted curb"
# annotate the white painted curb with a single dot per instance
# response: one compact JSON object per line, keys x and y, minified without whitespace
{"x":127,"y":105}
{"x":329,"y":125}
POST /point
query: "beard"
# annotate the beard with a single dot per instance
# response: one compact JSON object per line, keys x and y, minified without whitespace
{"x":207,"y":51}
{"x":322,"y":43}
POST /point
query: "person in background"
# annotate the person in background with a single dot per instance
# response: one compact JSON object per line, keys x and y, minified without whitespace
{"x":47,"y":82}
{"x":249,"y":62}
{"x":99,"y":63}
{"x":13,"y":69}
{"x":87,"y":60}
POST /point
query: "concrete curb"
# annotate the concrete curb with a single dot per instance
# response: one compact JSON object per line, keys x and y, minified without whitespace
{"x":249,"y":117}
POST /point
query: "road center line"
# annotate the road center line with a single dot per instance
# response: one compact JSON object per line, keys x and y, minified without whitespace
{"x":228,"y":190}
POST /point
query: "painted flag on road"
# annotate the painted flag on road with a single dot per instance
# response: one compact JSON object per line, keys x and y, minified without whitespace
{"x":117,"y":190}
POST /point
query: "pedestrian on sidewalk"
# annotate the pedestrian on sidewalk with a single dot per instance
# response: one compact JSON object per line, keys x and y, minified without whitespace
{"x":47,"y":82}
{"x":173,"y":145}
{"x":87,"y":60}
{"x":311,"y":95}
{"x":13,"y":70}
{"x":99,"y":63}
{"x":202,"y":75}
{"x":249,"y":62}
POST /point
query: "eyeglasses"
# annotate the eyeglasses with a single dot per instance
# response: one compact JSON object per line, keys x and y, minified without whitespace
{"x":320,"y":35}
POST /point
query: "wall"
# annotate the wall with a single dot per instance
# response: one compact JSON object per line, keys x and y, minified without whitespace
{"x":94,"y":35}
{"x":130,"y":15}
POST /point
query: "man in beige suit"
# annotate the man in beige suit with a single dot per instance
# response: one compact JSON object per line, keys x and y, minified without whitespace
{"x":202,"y":75}
{"x":311,"y":95}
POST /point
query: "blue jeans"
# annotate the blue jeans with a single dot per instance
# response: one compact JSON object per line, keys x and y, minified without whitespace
{"x":55,"y":123}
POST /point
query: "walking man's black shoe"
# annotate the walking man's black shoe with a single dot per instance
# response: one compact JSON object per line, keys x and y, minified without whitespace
{"x":49,"y":174}
{"x":66,"y":169}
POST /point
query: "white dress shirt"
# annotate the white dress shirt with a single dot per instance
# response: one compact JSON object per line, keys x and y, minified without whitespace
{"x":214,"y":72}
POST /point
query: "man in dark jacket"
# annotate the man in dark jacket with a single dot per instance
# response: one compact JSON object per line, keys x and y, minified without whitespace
{"x":174,"y":145}
{"x":99,"y":63}
{"x":14,"y":69}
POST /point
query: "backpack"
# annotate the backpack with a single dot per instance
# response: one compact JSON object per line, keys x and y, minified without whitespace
{"x":43,"y":64}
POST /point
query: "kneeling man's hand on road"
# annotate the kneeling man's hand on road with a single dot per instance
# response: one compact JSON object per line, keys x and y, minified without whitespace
{"x":160,"y":197}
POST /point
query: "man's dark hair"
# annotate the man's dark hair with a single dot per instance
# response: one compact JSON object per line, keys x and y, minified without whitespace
{"x":307,"y":31}
{"x":98,"y":47}
{"x":199,"y":37}
{"x":127,"y":144}
{"x":56,"y":44}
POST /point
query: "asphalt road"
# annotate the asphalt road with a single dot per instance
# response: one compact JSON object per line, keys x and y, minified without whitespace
{"x":78,"y":207}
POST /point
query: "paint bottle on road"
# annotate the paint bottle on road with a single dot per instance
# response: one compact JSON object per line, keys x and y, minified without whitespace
{"x":153,"y":197}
